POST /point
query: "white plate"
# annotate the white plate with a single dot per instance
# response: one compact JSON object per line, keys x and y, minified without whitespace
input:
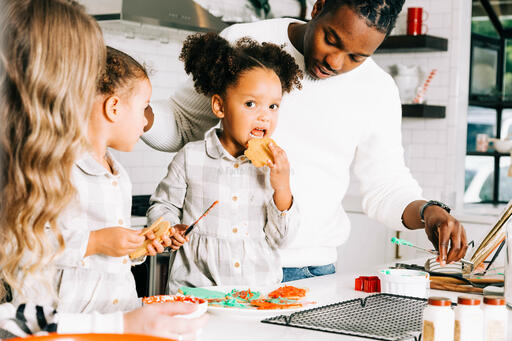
{"x":251,"y":312}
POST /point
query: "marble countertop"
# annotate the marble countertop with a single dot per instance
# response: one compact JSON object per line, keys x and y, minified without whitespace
{"x":324,"y":290}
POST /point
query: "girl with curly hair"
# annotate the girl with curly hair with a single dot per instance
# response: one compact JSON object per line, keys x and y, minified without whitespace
{"x":238,"y":242}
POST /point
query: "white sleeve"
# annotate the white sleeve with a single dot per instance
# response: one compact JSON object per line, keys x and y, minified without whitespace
{"x":385,"y":181}
{"x":183,"y":118}
{"x":29,"y":319}
{"x":90,"y":323}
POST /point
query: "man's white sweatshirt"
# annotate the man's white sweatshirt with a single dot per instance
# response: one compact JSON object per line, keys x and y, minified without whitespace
{"x":325,"y":127}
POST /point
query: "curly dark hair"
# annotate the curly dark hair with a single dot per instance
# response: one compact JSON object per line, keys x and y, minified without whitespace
{"x":381,"y":14}
{"x":119,"y":71}
{"x":215,"y":64}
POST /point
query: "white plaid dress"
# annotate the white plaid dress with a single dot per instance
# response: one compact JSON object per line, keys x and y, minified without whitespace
{"x":96,"y":283}
{"x":237,"y":243}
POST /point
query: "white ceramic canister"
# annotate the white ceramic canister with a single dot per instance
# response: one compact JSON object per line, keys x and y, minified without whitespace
{"x":495,"y":318}
{"x":469,"y":319}
{"x":404,"y":282}
{"x":438,"y":320}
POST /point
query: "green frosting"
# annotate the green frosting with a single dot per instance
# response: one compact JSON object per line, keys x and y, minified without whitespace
{"x":231,"y":302}
{"x":202,"y":293}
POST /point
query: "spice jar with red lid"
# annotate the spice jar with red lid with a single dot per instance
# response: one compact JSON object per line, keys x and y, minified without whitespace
{"x":469,"y":319}
{"x":495,"y":318}
{"x":438,"y":320}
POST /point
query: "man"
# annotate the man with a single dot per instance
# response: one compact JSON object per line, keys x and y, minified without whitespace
{"x":347,"y":112}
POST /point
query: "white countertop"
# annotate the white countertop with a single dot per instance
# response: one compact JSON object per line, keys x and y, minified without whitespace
{"x":324,"y":290}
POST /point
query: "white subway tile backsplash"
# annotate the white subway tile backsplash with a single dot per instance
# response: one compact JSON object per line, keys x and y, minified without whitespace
{"x":429,"y":144}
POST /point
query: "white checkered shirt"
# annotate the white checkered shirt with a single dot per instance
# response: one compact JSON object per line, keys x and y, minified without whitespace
{"x":98,"y":282}
{"x":236,"y":244}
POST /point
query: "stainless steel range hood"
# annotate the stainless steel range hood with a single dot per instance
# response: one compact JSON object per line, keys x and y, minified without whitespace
{"x":183,"y":14}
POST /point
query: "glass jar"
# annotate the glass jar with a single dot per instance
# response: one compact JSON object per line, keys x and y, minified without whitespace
{"x":469,"y":319}
{"x":438,"y":320}
{"x":495,"y":318}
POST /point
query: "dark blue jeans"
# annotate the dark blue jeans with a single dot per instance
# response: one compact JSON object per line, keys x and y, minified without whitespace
{"x":292,"y":274}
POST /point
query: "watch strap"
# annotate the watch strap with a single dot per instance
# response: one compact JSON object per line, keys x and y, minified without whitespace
{"x":430,"y":203}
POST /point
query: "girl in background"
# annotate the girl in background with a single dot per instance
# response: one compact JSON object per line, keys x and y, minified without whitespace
{"x":45,"y":100}
{"x":94,"y":272}
{"x":239,"y":240}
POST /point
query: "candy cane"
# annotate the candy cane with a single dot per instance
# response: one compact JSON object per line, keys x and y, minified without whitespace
{"x":421,"y":92}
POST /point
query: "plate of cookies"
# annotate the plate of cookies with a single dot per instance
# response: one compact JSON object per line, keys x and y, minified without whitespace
{"x":251,"y":301}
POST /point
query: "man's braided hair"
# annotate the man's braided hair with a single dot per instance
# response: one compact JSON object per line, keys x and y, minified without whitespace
{"x":381,"y":14}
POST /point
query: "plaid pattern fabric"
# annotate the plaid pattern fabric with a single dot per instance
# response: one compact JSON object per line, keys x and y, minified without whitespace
{"x":237,"y":242}
{"x":96,"y":283}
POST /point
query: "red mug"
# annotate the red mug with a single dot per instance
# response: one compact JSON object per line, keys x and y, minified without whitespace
{"x":415,"y":21}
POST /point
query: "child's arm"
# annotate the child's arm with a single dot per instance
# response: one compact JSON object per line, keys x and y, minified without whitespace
{"x":113,"y":241}
{"x":167,"y":201}
{"x":282,"y":212}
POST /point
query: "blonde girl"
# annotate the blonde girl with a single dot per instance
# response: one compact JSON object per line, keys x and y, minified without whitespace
{"x":51,"y":55}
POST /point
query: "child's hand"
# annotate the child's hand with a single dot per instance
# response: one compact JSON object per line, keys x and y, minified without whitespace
{"x":179,"y":238}
{"x":280,"y":169}
{"x":156,"y":246}
{"x":113,"y":241}
{"x":280,"y":178}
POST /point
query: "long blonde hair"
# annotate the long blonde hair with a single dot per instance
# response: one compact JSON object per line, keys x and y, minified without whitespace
{"x":51,"y":57}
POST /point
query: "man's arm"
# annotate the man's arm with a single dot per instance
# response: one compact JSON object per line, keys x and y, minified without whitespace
{"x":390,"y":193}
{"x":181,"y":119}
{"x":441,"y":228}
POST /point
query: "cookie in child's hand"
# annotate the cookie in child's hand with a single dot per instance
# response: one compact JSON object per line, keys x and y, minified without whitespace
{"x":159,"y":228}
{"x":258,"y":151}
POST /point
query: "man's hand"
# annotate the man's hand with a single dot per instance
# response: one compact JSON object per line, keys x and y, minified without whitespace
{"x":150,"y":117}
{"x":442,"y":230}
{"x":113,"y":241}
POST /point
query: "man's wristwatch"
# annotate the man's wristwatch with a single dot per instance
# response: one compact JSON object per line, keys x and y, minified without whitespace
{"x":430,"y":203}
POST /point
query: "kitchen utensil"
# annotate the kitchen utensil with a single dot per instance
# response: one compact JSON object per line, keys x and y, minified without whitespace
{"x":491,"y":242}
{"x":508,"y":267}
{"x":407,"y":79}
{"x":190,"y":227}
{"x":380,"y":316}
{"x":452,"y":278}
{"x":433,"y":252}
{"x":404,"y":282}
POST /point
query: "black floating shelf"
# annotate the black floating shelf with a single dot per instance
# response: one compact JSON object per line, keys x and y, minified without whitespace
{"x":407,"y":43}
{"x":423,"y":110}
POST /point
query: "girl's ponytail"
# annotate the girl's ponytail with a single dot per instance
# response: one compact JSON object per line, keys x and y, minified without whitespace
{"x":211,"y":61}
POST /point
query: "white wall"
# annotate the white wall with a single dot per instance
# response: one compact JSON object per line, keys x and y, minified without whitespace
{"x":435,"y":148}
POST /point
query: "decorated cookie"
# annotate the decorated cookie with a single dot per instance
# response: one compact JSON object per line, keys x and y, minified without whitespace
{"x":258,"y":151}
{"x":159,"y":228}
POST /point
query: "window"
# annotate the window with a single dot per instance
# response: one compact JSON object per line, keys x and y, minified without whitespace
{"x":487,"y":177}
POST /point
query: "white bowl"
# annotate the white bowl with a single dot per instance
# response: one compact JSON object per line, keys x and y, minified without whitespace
{"x":404,"y":282}
{"x":501,"y":146}
{"x":202,"y":304}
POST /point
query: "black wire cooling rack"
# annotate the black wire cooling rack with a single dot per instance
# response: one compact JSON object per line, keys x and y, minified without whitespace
{"x":379,"y":317}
